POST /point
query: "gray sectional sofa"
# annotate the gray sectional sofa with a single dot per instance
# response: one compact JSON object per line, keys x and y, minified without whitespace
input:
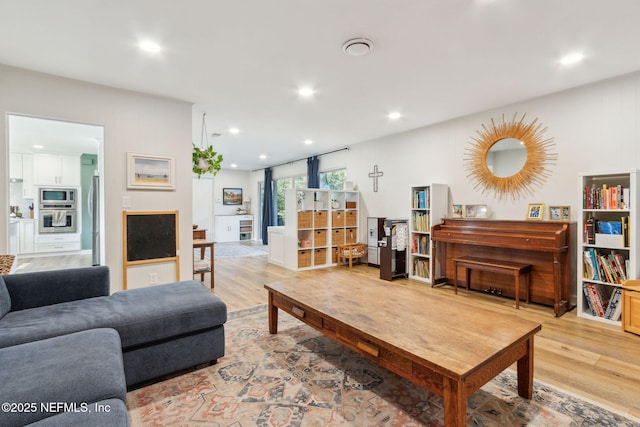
{"x":161,"y":330}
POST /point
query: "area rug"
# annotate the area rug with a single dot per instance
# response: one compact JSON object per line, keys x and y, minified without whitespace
{"x":301,"y":378}
{"x":236,"y":250}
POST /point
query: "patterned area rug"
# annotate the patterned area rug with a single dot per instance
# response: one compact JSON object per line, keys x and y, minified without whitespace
{"x":301,"y":378}
{"x":237,"y":250}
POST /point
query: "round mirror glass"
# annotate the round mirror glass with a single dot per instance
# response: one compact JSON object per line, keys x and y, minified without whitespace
{"x":506,"y":157}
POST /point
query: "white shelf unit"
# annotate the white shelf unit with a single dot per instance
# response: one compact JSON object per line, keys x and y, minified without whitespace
{"x":316,"y":221}
{"x":429,"y":204}
{"x":610,"y":246}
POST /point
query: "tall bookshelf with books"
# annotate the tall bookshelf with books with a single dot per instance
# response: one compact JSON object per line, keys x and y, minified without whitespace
{"x":608,"y":249}
{"x":428,"y":206}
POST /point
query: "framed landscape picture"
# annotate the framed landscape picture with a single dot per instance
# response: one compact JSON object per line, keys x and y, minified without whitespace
{"x":475,"y":211}
{"x":232,"y":196}
{"x":150,"y":172}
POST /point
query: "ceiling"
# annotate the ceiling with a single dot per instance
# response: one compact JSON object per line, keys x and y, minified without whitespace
{"x":241,"y":62}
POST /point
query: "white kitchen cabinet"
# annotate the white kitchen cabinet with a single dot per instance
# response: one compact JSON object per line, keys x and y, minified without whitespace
{"x":61,"y":242}
{"x":227,"y":227}
{"x":28,"y":191}
{"x":55,"y":169}
{"x":26,"y":236}
{"x":15,"y":165}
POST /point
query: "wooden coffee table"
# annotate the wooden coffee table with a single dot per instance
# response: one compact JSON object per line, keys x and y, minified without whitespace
{"x":450,"y":348}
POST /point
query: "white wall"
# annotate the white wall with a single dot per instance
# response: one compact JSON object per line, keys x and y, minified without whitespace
{"x":133,"y":122}
{"x":595,"y":128}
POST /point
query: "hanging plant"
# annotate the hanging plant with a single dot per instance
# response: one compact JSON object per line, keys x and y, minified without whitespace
{"x":205,"y":159}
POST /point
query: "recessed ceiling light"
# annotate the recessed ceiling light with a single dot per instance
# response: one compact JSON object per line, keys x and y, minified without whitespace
{"x":234,"y":130}
{"x":394,"y":115}
{"x":149,"y":46}
{"x":263,"y":156}
{"x":233,"y":165}
{"x":306,"y":91}
{"x":308,"y":141}
{"x":38,"y":147}
{"x":357,"y":47}
{"x":572,"y":58}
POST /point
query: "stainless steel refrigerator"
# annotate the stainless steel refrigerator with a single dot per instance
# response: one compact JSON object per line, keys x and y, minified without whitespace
{"x":375,"y":234}
{"x":94,"y":212}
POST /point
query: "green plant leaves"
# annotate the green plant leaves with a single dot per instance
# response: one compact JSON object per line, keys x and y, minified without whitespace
{"x":205,"y":160}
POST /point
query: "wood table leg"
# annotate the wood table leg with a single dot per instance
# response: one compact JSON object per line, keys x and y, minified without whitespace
{"x":525,"y":372}
{"x":517,"y":277}
{"x":273,"y":316}
{"x":455,"y":278}
{"x":455,"y":404}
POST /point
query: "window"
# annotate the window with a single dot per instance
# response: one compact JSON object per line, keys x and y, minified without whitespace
{"x":333,"y":180}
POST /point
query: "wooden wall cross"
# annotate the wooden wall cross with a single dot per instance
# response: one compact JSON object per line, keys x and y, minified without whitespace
{"x":375,"y":174}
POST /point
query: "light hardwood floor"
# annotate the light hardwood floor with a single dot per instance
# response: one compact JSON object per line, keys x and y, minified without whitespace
{"x":591,"y":359}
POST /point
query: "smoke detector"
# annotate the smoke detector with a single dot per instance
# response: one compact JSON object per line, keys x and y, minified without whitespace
{"x":357,"y":47}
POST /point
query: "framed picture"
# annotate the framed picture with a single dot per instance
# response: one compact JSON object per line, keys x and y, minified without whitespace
{"x":456,"y":211}
{"x":150,"y":172}
{"x":232,"y":196}
{"x":475,"y":211}
{"x":559,"y":213}
{"x":535,"y":210}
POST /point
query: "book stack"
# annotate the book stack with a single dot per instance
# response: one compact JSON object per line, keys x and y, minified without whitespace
{"x":605,"y":197}
{"x":603,"y":301}
{"x":421,"y":268}
{"x":604,"y":267}
{"x":420,"y":244}
{"x":420,"y":221}
{"x":421,"y":199}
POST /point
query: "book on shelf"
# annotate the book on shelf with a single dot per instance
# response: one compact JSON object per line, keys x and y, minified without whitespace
{"x":420,"y":244}
{"x":421,"y":199}
{"x":421,"y":268}
{"x":420,"y":221}
{"x":603,"y":266}
{"x":603,"y":301}
{"x":614,"y":301}
{"x":606,"y":197}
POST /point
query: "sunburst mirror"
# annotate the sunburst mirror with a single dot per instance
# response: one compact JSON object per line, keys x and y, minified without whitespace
{"x":510,"y":157}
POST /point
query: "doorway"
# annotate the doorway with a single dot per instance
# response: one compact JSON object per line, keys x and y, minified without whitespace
{"x":51,"y":158}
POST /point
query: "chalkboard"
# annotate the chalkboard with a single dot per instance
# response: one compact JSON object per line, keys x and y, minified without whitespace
{"x":150,"y":235}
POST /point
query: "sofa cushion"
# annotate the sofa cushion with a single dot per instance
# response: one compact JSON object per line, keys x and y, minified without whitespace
{"x":5,"y":299}
{"x":111,"y":412}
{"x":76,"y":369}
{"x":140,"y":316}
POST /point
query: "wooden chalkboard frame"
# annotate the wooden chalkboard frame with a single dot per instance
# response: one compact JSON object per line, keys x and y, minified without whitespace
{"x":127,"y":236}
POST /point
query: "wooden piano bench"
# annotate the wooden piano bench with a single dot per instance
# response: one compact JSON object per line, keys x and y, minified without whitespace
{"x":515,"y":269}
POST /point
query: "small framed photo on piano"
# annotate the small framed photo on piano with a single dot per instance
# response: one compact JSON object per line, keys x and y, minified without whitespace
{"x":534,"y":211}
{"x":559,"y":213}
{"x":475,"y":211}
{"x":457,"y":211}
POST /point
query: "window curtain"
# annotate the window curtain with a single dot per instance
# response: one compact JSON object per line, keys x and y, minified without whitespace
{"x":313,"y":172}
{"x":268,"y":207}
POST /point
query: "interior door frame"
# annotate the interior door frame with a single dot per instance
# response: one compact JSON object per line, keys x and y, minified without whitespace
{"x":100,"y":171}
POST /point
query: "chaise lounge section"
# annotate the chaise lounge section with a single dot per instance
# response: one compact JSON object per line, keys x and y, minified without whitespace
{"x":163,"y":329}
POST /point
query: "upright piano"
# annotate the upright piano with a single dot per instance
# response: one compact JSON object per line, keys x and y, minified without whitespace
{"x":549,"y":246}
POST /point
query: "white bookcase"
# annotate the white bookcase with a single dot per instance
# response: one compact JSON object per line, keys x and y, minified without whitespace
{"x":609,"y":200}
{"x":429,"y":204}
{"x":316,"y":222}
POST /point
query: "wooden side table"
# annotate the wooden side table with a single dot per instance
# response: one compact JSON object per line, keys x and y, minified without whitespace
{"x":200,"y":242}
{"x":631,"y":306}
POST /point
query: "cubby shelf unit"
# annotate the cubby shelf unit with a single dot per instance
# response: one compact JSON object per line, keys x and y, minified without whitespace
{"x":316,"y":222}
